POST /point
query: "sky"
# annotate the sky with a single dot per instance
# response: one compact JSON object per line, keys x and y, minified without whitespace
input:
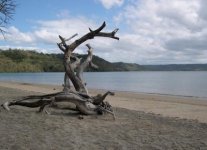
{"x":150,"y":31}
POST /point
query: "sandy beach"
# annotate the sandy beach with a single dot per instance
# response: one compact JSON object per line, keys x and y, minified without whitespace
{"x":166,"y":105}
{"x":143,"y":121}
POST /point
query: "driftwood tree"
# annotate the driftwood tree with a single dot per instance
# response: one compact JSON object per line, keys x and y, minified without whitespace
{"x":74,"y":67}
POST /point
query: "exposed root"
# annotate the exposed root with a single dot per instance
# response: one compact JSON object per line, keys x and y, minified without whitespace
{"x":102,"y":109}
{"x":6,"y":106}
{"x":84,"y":104}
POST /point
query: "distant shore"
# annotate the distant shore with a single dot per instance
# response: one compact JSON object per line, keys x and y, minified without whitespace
{"x":31,"y":61}
{"x":166,"y":105}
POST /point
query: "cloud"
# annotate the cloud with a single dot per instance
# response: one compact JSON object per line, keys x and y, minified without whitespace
{"x":48,"y":31}
{"x":13,"y":34}
{"x":168,"y":31}
{"x":110,"y":3}
{"x":195,"y":43}
{"x":45,"y":34}
{"x":203,"y":11}
{"x":151,"y":32}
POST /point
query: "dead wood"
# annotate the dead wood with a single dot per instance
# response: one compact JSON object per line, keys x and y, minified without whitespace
{"x":74,"y":68}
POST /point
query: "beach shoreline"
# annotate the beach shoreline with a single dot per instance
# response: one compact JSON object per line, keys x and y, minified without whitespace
{"x":143,"y":121}
{"x":166,"y":105}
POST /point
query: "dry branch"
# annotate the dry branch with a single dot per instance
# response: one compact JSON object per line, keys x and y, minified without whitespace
{"x":91,"y":35}
{"x":74,"y":69}
{"x":7,"y":9}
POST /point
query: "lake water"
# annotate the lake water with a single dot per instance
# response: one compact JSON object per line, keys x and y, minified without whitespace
{"x":185,"y":83}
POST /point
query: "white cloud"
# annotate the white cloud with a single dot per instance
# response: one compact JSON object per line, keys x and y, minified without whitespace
{"x":168,"y":31}
{"x":48,"y":31}
{"x":14,"y":35}
{"x":110,"y":3}
{"x":151,"y":32}
{"x":45,"y":35}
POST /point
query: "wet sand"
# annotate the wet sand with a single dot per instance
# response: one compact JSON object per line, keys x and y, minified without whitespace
{"x":134,"y":128}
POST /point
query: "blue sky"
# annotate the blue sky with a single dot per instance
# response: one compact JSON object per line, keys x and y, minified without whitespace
{"x":151,"y":31}
{"x":29,"y":11}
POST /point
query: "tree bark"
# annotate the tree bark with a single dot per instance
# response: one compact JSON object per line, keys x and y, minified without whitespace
{"x":79,"y":86}
{"x":85,"y":103}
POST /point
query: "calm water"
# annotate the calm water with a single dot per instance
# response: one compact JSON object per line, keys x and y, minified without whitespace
{"x":175,"y":83}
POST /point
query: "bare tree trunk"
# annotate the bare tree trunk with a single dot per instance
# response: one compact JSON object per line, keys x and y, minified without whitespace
{"x":66,"y":84}
{"x":85,"y":103}
{"x":68,"y":49}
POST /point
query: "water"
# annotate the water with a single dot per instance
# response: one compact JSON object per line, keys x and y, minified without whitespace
{"x":175,"y":83}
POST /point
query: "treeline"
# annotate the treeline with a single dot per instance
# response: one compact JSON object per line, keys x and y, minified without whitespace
{"x":29,"y":61}
{"x":16,"y":60}
{"x":176,"y":67}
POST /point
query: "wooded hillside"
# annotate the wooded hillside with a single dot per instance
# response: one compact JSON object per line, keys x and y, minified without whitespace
{"x":28,"y":61}
{"x":15,"y":60}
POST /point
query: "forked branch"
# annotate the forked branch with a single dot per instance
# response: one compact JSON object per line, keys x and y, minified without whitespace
{"x":91,"y":35}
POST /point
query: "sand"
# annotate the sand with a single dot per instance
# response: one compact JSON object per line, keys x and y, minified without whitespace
{"x":166,"y":105}
{"x":144,"y":121}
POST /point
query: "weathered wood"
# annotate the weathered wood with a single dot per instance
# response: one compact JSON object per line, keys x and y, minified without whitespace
{"x":74,"y":68}
{"x":110,"y":35}
{"x":60,"y":45}
{"x":97,"y":100}
{"x":91,"y":35}
{"x":77,"y":80}
{"x":83,"y":66}
{"x":79,"y":86}
{"x":66,"y":84}
{"x":68,"y":39}
{"x":85,"y":104}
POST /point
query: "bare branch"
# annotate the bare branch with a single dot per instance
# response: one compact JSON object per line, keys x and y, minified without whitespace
{"x":76,"y":63}
{"x":7,"y":8}
{"x":110,"y":35}
{"x":92,"y":65}
{"x":68,"y":39}
{"x":99,"y":29}
{"x":100,"y":98}
{"x":60,"y":45}
{"x":89,"y":47}
{"x":91,"y":35}
{"x":63,"y":42}
{"x":85,"y":64}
